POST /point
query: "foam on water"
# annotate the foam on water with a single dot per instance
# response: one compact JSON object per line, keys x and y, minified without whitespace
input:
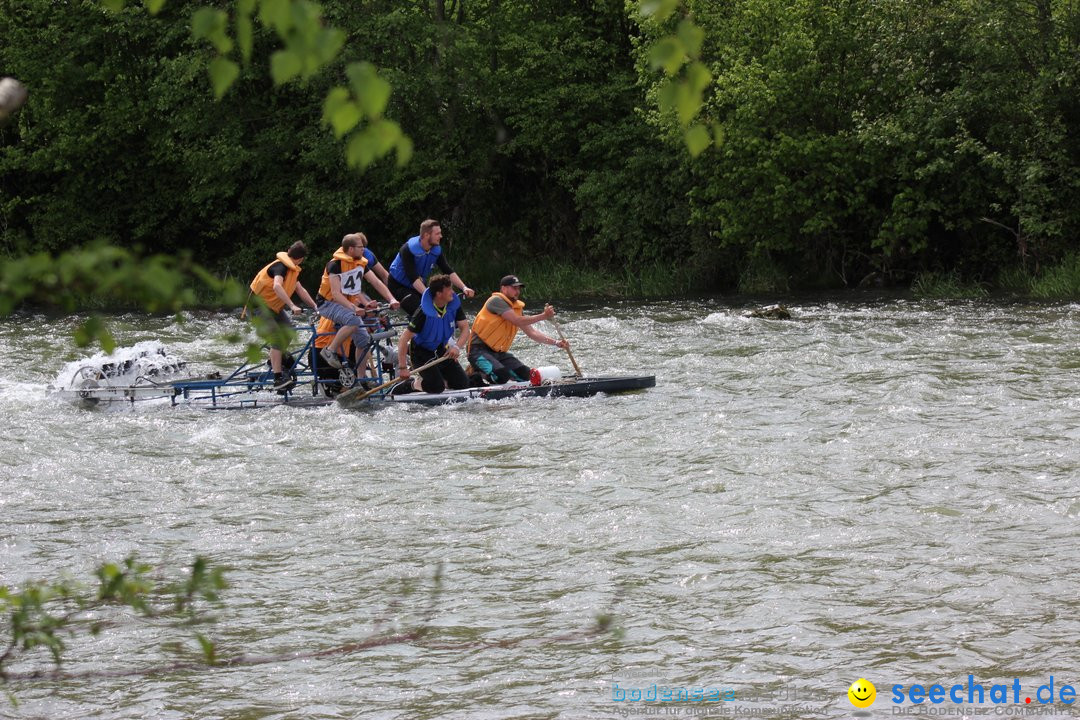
{"x":123,"y":366}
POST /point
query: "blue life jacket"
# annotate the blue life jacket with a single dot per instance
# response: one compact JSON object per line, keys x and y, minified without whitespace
{"x":425,"y":261}
{"x":372,"y":261}
{"x":437,"y":328}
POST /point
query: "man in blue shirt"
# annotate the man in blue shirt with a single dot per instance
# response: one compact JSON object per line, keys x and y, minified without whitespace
{"x":414,"y":262}
{"x":430,"y":335}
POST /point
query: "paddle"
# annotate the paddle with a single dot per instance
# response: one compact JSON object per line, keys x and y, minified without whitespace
{"x":348,"y":394}
{"x":562,"y":337}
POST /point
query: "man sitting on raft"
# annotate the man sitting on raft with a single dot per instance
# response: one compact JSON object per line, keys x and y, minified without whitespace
{"x":494,"y":330}
{"x":429,"y":336}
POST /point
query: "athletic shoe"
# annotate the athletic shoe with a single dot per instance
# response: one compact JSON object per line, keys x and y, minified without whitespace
{"x":283,"y":383}
{"x":331,"y":358}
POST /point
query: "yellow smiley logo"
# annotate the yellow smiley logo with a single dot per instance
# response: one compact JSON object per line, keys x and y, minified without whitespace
{"x":862,"y":693}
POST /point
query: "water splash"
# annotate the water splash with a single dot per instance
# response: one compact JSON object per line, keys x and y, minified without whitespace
{"x":148,"y":359}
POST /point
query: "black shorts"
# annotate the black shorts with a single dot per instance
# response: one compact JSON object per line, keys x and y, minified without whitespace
{"x":447,"y":374}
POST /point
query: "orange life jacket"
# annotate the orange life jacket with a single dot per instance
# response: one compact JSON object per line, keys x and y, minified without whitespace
{"x":496,"y":331}
{"x":325,"y":325}
{"x":263,"y":284}
{"x":352,"y":270}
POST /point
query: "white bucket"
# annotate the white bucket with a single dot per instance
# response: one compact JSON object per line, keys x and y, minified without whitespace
{"x":544,"y":374}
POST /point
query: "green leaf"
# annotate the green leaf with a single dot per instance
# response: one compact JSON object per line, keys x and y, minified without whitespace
{"x":113,"y":5}
{"x":222,"y":42}
{"x":83,"y":335}
{"x":204,"y":22}
{"x":223,"y":72}
{"x":94,"y":329}
{"x":245,"y":28}
{"x":661,"y":10}
{"x":372,"y":92}
{"x":305,"y":17}
{"x":210,"y":24}
{"x":697,"y":139}
{"x":208,"y":649}
{"x":675,"y":96}
{"x":345,"y":118}
{"x":360,"y":152}
{"x":404,"y":150}
{"x":668,"y":54}
{"x":698,"y":77}
{"x":336,"y":97}
{"x":253,"y":352}
{"x":385,"y":134}
{"x":276,"y":14}
{"x":667,"y":96}
{"x":376,"y":141}
{"x":340,"y":111}
{"x":328,"y":45}
{"x":691,"y":37}
{"x":284,"y":66}
{"x":686,"y":103}
{"x":245,"y":33}
{"x":154,"y":6}
{"x":718,"y":133}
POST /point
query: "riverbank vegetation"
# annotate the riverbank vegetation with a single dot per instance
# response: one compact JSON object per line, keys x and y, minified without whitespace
{"x":884,"y":143}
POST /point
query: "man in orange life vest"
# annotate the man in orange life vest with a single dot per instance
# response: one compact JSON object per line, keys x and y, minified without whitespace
{"x":275,"y":284}
{"x":342,"y":303}
{"x":494,"y":329}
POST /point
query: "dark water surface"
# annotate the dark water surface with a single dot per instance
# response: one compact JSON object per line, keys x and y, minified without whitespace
{"x":885,"y":490}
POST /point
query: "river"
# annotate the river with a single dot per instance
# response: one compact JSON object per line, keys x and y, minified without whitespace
{"x":878,"y":488}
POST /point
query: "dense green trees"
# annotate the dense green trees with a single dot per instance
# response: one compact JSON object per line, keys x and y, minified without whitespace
{"x":887,"y":137}
{"x":890,"y":136}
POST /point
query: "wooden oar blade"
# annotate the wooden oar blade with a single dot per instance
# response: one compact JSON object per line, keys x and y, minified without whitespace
{"x":353,"y":397}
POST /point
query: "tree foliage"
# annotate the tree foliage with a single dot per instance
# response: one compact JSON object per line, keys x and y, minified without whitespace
{"x":890,"y":137}
{"x":829,"y":140}
{"x":48,"y":615}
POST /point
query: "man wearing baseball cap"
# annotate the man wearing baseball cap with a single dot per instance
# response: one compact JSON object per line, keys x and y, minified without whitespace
{"x":494,"y":330}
